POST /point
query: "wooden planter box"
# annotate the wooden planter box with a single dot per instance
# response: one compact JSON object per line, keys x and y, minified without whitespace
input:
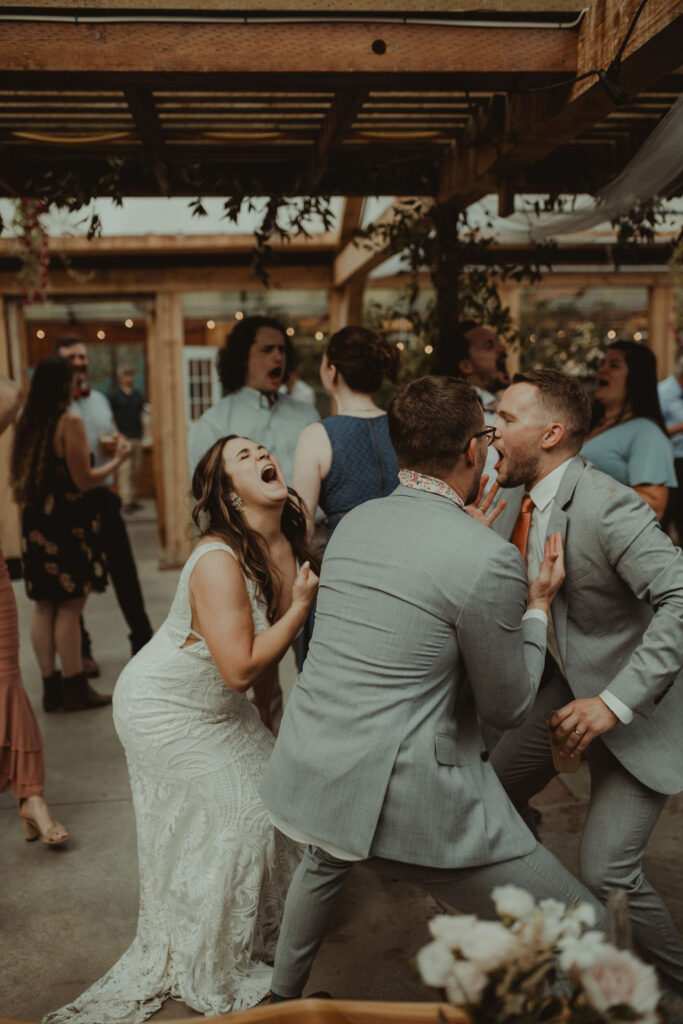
{"x":333,"y":1011}
{"x":345,"y":1011}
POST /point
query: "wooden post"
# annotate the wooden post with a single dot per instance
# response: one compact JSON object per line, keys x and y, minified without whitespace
{"x":346,"y":305}
{"x":171,"y":473}
{"x":662,"y":327}
{"x":10,"y":521}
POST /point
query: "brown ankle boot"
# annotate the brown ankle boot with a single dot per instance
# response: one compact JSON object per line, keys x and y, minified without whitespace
{"x":52,"y":692}
{"x":78,"y":694}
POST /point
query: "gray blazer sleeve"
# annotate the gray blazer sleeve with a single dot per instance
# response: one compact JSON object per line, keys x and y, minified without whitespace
{"x":646,"y":560}
{"x":504,"y":658}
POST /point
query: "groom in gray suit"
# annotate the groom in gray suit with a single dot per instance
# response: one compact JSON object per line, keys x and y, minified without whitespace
{"x":615,"y":646}
{"x":424,"y":622}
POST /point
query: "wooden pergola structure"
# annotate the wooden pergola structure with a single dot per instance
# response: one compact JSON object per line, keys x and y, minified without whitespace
{"x":307,"y":97}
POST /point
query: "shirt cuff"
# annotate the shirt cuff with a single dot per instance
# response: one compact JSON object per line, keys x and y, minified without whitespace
{"x":623,"y":713}
{"x":537,"y":613}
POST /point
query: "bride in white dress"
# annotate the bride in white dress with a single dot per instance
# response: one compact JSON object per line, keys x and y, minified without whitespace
{"x":214,"y":872}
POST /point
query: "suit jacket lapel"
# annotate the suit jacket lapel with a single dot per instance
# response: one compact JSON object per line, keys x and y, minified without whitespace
{"x":557,"y":523}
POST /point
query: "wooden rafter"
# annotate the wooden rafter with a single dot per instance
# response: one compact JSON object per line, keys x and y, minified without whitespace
{"x":343,"y":111}
{"x":539,"y":123}
{"x":141,"y":104}
{"x":526,"y":7}
{"x":349,"y":220}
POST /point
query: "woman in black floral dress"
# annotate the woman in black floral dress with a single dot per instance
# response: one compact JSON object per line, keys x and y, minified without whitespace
{"x":62,"y":552}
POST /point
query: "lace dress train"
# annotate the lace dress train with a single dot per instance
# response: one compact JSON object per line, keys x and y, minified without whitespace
{"x":214,"y":872}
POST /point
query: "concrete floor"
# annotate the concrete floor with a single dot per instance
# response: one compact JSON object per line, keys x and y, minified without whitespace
{"x":67,"y":915}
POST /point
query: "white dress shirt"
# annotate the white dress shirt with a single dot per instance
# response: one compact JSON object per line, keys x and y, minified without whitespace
{"x":543,"y":494}
{"x":275,"y":424}
{"x":96,"y":413}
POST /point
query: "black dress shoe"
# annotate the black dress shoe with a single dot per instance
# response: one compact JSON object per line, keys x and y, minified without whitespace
{"x":52,"y":692}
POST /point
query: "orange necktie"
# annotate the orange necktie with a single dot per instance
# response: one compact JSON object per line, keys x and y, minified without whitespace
{"x":520,"y":534}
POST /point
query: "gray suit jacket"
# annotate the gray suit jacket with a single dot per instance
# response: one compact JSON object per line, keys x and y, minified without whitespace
{"x":619,"y":615}
{"x":418,"y":627}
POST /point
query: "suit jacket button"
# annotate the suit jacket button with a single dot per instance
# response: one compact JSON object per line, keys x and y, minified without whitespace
{"x":485,"y":755}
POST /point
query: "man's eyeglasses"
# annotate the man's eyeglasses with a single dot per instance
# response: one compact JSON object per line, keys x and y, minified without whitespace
{"x":488,"y":432}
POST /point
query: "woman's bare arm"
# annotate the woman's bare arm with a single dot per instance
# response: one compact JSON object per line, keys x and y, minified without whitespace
{"x":77,"y":454}
{"x":312,"y":461}
{"x":10,"y":400}
{"x":221,"y":613}
{"x":655,"y":495}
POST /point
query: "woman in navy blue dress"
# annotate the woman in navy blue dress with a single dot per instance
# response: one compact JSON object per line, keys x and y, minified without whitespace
{"x":347,"y":458}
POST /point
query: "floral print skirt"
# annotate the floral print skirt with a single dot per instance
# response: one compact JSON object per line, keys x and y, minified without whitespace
{"x":62,"y":550}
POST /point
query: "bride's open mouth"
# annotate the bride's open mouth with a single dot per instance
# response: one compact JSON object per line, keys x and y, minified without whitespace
{"x":269,"y":473}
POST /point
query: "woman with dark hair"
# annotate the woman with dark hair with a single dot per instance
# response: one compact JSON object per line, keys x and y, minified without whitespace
{"x":61,"y":548}
{"x":22,"y":768}
{"x":214,"y":872}
{"x":628,"y":438}
{"x":347,"y":458}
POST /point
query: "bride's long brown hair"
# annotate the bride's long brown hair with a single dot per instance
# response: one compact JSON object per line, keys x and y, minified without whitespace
{"x":213,"y":513}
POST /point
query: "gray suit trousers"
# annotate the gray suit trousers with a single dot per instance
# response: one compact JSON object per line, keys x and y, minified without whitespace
{"x":621,"y":816}
{"x":319,"y":877}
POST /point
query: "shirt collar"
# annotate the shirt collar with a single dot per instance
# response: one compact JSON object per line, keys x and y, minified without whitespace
{"x":420,"y":482}
{"x":486,"y":397}
{"x":545,"y":490}
{"x":257,"y":399}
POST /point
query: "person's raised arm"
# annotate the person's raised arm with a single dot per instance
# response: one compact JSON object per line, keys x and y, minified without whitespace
{"x":312,"y":461}
{"x":656,"y":496}
{"x":10,"y":400}
{"x":77,"y":454}
{"x":221,"y":613}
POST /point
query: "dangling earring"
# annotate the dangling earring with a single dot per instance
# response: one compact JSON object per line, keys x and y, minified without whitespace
{"x":236,"y":501}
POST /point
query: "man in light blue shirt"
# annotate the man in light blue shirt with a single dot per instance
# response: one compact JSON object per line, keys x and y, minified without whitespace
{"x":252,"y":367}
{"x":670,"y":393}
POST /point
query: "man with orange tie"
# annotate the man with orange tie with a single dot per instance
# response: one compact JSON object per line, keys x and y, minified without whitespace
{"x":613,"y":682}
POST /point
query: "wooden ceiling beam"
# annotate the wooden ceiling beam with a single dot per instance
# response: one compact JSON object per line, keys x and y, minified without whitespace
{"x":146,"y":118}
{"x":539,"y":123}
{"x":357,"y":259}
{"x":292,"y":47}
{"x":347,"y":7}
{"x":350,"y":220}
{"x":122,"y":281}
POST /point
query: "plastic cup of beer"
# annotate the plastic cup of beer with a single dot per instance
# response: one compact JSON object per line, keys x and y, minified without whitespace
{"x":562,"y":762}
{"x":108,"y":443}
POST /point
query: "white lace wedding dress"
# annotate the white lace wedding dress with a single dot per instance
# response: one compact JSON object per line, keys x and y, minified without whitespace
{"x":213,"y":871}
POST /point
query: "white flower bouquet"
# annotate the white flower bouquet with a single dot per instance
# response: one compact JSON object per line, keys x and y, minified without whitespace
{"x":511,"y":970}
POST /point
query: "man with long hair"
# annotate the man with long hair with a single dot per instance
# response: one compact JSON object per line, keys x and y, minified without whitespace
{"x":252,"y":366}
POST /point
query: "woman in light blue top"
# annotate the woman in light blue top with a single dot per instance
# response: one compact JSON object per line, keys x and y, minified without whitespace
{"x":628,"y":438}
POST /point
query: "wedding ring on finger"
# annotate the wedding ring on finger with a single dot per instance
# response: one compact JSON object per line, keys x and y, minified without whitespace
{"x":578,"y":733}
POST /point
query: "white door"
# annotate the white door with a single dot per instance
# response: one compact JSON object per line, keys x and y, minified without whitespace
{"x":202,"y":384}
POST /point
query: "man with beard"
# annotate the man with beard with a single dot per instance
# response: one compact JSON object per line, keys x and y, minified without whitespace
{"x":615,"y":647}
{"x":424,"y":623}
{"x":476,"y":354}
{"x":252,"y":367}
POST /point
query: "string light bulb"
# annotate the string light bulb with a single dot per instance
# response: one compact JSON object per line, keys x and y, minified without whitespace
{"x":319,"y":335}
{"x":211,"y":324}
{"x":101,"y":335}
{"x":128,"y":322}
{"x":239,"y":315}
{"x":289,"y":332}
{"x":429,"y":349}
{"x":40,"y":334}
